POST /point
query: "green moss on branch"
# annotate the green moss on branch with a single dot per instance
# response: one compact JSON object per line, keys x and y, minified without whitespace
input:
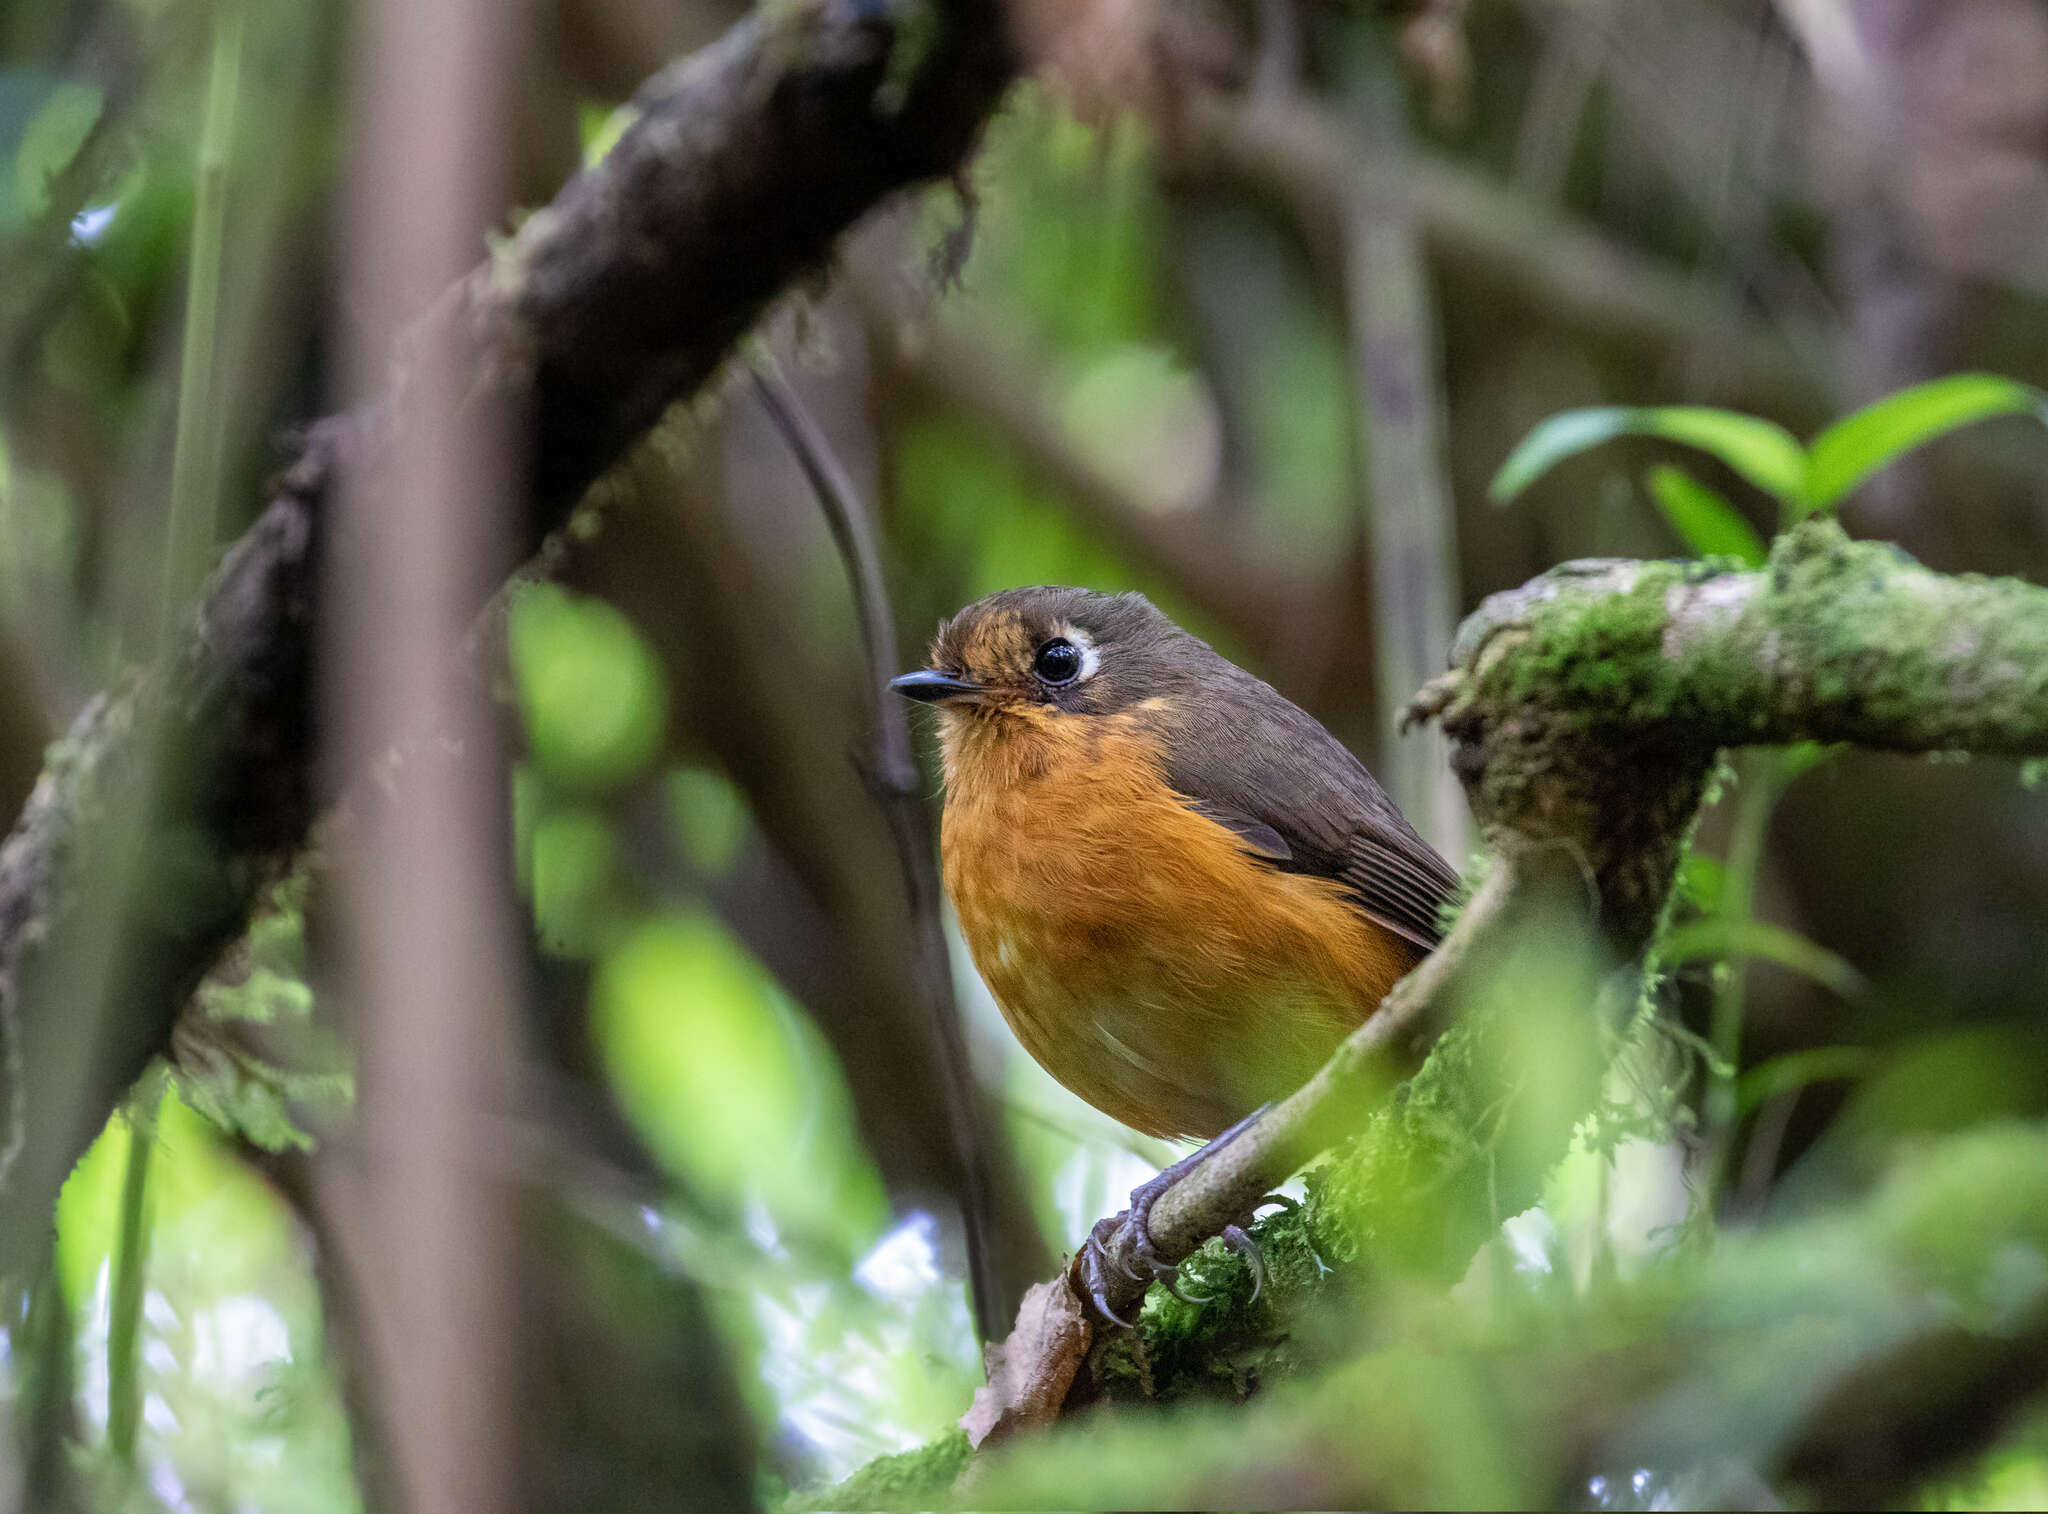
{"x":1833,"y":640}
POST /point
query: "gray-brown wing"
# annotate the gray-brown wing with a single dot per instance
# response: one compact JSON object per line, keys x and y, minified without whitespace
{"x":1260,"y":765}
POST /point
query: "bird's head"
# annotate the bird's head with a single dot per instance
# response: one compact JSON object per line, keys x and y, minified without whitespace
{"x":1027,"y":653}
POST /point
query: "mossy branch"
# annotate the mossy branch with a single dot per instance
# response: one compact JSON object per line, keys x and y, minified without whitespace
{"x":1841,"y":1360}
{"x":1588,"y":708}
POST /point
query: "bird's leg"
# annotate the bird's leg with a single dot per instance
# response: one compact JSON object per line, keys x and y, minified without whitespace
{"x":1136,"y":1222}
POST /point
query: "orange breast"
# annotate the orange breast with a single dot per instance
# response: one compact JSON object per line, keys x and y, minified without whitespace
{"x":1139,"y":953}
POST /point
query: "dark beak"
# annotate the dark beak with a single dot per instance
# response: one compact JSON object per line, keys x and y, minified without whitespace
{"x":927,"y":686}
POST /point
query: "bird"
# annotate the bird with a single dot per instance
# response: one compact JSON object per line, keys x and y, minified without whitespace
{"x":1181,"y":890}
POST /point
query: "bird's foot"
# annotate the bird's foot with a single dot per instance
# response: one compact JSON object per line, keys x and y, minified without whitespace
{"x":1100,"y":1260}
{"x":1124,"y":1244}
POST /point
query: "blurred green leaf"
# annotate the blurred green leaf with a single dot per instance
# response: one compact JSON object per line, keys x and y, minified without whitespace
{"x":600,"y":127}
{"x":1948,"y":1080}
{"x":1853,"y":448}
{"x":52,"y":139}
{"x":1146,"y":420}
{"x":1701,"y":880}
{"x":1761,"y":451}
{"x":2013,"y":1475}
{"x":710,"y":816}
{"x":589,"y":688}
{"x":572,"y":876}
{"x":1771,"y":943}
{"x":734,"y":1089}
{"x":1703,"y":519}
{"x":1553,"y":440}
{"x":1796,"y":1069}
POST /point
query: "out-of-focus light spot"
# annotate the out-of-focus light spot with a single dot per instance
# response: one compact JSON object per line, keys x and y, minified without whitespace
{"x":1647,"y":1489}
{"x":239,"y":1336}
{"x":90,"y":225}
{"x":158,"y":1416}
{"x":166,"y":1484}
{"x":1532,"y":1238}
{"x":905,"y":1262}
{"x":761,"y":1229}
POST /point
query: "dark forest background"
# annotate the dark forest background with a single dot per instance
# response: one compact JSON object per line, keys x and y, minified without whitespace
{"x":1239,"y":304}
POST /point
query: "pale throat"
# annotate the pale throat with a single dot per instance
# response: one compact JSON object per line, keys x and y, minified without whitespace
{"x":983,"y":752}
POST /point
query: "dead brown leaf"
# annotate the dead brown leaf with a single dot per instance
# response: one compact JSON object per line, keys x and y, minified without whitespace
{"x":1029,"y":1373}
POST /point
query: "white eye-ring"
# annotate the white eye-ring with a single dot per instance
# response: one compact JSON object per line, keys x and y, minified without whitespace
{"x":1066,"y":657}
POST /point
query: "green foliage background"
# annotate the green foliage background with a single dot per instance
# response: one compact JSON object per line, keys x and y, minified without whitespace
{"x":1385,"y":1347}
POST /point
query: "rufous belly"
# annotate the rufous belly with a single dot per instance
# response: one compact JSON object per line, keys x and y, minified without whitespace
{"x":1141,"y":955}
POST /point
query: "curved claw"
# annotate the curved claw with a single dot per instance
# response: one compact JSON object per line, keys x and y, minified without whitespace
{"x":1277,"y":1201}
{"x":1124,"y":1245}
{"x":1094,"y":1261}
{"x":1100,"y":1300}
{"x":1144,"y":1278}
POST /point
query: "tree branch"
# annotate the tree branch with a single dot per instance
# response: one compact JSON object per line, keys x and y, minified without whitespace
{"x":1557,"y":265}
{"x":745,"y":164}
{"x":1588,"y":708}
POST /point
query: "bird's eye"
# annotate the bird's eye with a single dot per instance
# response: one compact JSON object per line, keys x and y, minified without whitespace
{"x":1058,"y":661}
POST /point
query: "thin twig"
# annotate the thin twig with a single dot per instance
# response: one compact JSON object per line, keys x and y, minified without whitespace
{"x":895,"y":779}
{"x":839,"y":502}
